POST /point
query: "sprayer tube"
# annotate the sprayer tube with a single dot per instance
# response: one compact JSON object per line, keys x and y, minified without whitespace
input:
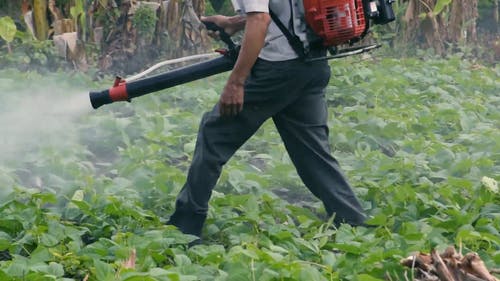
{"x":179,"y":76}
{"x":166,"y":80}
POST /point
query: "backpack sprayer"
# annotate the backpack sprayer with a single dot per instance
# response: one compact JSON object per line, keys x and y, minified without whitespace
{"x":334,"y":21}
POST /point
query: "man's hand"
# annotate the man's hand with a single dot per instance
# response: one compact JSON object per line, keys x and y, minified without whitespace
{"x":231,"y":99}
{"x":231,"y":25}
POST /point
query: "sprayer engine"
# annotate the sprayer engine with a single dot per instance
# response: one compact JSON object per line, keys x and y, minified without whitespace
{"x":341,"y":21}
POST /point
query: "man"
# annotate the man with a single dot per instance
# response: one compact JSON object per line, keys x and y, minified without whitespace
{"x":268,"y":81}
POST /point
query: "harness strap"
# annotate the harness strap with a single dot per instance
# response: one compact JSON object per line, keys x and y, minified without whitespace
{"x":293,"y":40}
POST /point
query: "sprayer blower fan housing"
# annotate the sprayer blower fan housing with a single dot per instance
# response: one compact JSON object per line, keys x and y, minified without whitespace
{"x":336,"y":22}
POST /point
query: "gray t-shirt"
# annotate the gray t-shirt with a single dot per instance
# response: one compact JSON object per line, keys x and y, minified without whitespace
{"x":276,"y":47}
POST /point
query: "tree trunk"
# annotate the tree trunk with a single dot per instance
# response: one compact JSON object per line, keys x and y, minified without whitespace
{"x":496,"y":15}
{"x":426,"y":32}
{"x":462,"y":25}
{"x":435,"y":29}
{"x":185,"y":27}
{"x":126,"y":48}
{"x":40,"y":19}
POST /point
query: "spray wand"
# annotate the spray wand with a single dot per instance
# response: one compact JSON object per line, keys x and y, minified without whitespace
{"x":123,"y":90}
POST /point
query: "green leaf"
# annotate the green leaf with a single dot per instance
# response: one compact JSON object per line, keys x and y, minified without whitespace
{"x":4,"y":276}
{"x":5,"y":241}
{"x":182,"y":260}
{"x":11,"y":226}
{"x":78,"y":195}
{"x":85,"y":207}
{"x":137,"y":276}
{"x":440,"y":5}
{"x":308,"y":273}
{"x":18,"y":267}
{"x":353,"y":248}
{"x":378,"y":219}
{"x":366,"y":277}
{"x":49,"y":240}
{"x":238,"y":271}
{"x":40,"y":255}
{"x":104,"y":271}
{"x":45,"y":198}
{"x":56,"y":269}
{"x":7,"y":29}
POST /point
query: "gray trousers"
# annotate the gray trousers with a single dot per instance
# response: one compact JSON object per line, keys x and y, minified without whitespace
{"x":292,"y":93}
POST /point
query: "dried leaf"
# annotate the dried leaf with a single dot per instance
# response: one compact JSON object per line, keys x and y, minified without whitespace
{"x":130,"y":262}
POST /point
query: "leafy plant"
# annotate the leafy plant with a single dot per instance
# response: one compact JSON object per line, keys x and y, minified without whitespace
{"x":416,"y":137}
{"x":78,"y":14}
{"x":7,"y":29}
{"x":144,"y":20}
{"x":440,"y":5}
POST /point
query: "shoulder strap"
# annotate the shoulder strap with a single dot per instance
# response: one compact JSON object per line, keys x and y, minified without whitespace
{"x":293,"y":40}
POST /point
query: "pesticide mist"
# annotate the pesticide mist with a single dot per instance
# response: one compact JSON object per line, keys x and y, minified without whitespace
{"x":35,"y":112}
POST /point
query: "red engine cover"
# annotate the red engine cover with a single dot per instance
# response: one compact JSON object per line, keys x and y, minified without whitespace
{"x":336,"y":21}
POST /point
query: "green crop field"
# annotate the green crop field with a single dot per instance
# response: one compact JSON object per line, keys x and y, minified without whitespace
{"x":418,"y":138}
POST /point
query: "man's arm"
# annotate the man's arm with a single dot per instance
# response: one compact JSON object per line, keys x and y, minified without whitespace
{"x":231,"y":100}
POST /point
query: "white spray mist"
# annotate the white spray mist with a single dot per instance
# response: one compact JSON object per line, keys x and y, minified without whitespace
{"x":36,"y":115}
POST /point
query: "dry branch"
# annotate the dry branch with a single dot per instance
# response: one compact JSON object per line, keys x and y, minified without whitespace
{"x":441,"y":268}
{"x":473,"y":264}
{"x":448,"y":266}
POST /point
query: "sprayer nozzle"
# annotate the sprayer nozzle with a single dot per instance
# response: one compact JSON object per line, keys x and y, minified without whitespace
{"x":98,"y":99}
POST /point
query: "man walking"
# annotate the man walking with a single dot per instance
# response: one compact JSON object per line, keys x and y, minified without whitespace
{"x":269,"y":80}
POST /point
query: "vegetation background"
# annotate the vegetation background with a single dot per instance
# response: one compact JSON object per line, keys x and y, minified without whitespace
{"x":125,"y":36}
{"x":84,"y":195}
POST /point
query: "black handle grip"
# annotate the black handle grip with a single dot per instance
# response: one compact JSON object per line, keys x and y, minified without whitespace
{"x":222,"y":34}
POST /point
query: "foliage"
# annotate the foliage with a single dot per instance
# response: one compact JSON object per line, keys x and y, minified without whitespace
{"x":144,"y":20}
{"x":440,"y":5}
{"x":417,"y":137}
{"x":78,"y":14}
{"x":30,"y":54}
{"x":7,"y":29}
